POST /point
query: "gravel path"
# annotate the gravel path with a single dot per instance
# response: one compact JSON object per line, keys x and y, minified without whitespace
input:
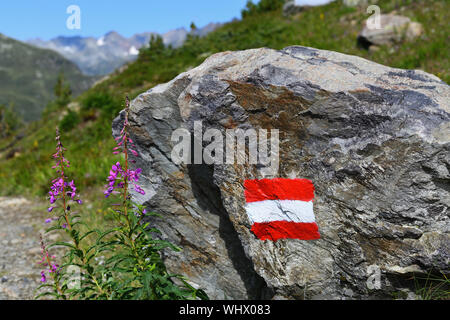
{"x":21,"y":222}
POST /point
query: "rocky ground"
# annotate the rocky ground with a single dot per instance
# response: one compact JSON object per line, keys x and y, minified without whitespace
{"x":21,"y":222}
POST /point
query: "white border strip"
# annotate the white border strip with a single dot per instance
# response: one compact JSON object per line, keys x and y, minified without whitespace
{"x":280,"y":210}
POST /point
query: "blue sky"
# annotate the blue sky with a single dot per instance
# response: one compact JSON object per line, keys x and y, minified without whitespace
{"x":26,"y":19}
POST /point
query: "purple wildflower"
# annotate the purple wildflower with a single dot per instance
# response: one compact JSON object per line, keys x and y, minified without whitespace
{"x":61,"y":189}
{"x":119,"y":176}
{"x":54,"y":268}
{"x":43,"y":277}
{"x":46,"y":261}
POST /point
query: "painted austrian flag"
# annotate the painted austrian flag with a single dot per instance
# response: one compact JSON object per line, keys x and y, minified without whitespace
{"x":281,"y":209}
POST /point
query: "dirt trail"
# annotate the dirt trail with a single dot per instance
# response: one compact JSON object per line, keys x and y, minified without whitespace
{"x":20,"y":224}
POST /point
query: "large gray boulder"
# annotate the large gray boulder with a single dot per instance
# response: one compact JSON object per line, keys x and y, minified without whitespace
{"x":374,"y":141}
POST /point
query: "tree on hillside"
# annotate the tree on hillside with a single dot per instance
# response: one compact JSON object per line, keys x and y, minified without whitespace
{"x":63,"y":95}
{"x":261,"y":6}
{"x":9,"y":121}
{"x":156,"y":43}
{"x":62,"y":90}
{"x":154,"y":50}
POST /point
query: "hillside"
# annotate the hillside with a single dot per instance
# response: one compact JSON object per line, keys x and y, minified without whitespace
{"x":26,"y":163}
{"x":28,"y":74}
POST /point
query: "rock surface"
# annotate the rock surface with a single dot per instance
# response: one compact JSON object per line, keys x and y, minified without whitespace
{"x":392,"y":29}
{"x":355,"y":3}
{"x":293,"y":7}
{"x":374,"y":140}
{"x":290,"y":8}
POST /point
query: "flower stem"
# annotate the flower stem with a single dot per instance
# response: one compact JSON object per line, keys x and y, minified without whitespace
{"x":69,"y":225}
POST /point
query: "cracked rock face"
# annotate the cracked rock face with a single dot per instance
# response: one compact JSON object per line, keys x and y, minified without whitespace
{"x":374,"y":141}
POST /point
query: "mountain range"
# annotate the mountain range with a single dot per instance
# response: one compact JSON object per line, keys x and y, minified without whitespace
{"x":101,"y":56}
{"x":28,"y":75}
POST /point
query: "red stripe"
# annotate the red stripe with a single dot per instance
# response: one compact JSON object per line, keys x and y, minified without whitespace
{"x":276,"y":230}
{"x":278,"y":189}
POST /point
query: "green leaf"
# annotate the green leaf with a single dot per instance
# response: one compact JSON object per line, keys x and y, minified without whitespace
{"x":62,"y":243}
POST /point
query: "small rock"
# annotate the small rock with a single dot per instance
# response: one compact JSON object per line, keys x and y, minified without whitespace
{"x":412,"y":296}
{"x":74,"y":106}
{"x":374,"y":48}
{"x":294,"y":7}
{"x":392,"y":29}
{"x":355,"y":3}
{"x":53,"y":237}
{"x":414,"y":30}
{"x":291,"y":8}
{"x":34,"y":250}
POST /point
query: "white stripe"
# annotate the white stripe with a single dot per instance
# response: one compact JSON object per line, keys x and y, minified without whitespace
{"x":280,"y":210}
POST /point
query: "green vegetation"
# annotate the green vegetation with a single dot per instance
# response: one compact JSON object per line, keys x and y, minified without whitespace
{"x":261,"y":7}
{"x":433,"y":286}
{"x":9,"y":122}
{"x":27,"y":76}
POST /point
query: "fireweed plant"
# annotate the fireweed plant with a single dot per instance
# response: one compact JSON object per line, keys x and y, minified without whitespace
{"x":133,"y":268}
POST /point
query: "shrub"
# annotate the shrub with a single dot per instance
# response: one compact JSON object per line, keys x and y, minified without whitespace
{"x":9,"y":121}
{"x":104,"y":102}
{"x":70,"y":121}
{"x":261,"y":6}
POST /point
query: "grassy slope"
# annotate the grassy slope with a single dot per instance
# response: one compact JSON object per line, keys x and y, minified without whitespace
{"x":331,"y":27}
{"x":27,"y":76}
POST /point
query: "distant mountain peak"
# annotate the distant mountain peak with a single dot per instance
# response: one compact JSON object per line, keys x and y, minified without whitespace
{"x":100,"y":56}
{"x":111,"y":33}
